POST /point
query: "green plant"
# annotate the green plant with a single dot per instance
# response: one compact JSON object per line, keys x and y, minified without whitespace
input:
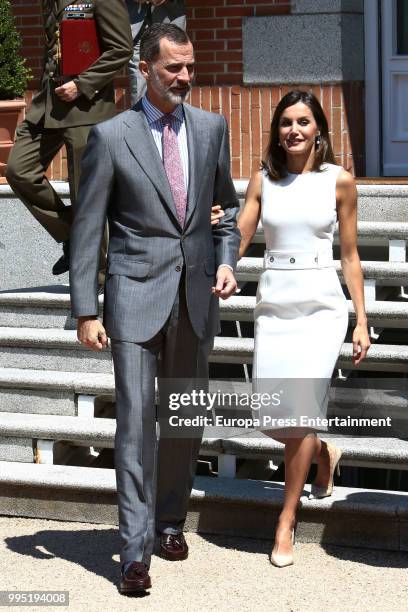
{"x":13,"y":72}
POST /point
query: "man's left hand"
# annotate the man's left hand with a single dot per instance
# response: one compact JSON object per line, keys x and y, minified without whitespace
{"x":68,"y":92}
{"x":226,"y":283}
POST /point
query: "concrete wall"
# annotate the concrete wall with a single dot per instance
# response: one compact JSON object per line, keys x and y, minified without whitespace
{"x":321,"y":42}
{"x":27,"y":252}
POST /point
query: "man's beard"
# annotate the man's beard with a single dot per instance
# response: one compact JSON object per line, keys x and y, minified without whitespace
{"x":165,"y":94}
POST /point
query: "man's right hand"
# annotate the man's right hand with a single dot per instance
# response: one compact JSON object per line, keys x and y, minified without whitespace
{"x":91,"y":333}
{"x":68,"y":92}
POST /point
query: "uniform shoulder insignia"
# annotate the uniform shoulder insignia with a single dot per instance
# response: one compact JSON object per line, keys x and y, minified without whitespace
{"x":73,"y":8}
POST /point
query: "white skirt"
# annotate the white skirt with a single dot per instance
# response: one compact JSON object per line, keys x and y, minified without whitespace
{"x":301,"y":320}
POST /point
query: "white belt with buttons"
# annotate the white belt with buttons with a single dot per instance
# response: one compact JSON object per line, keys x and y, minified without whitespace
{"x":297,"y":260}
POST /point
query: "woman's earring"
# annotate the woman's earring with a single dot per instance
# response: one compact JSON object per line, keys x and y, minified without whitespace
{"x":279,"y":144}
{"x":318,"y":140}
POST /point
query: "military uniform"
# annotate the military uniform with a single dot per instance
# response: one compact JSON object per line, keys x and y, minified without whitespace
{"x":140,"y":14}
{"x":51,"y":122}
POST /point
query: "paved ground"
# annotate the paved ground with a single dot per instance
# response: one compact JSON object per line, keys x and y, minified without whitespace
{"x":222,"y":574}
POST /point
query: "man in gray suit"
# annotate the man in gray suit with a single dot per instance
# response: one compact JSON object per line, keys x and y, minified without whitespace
{"x":143,"y":14}
{"x":155,"y":171}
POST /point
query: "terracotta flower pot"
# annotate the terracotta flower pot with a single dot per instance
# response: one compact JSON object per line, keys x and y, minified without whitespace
{"x":9,"y":114}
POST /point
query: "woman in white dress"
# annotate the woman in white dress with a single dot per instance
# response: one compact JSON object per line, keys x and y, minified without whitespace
{"x":301,"y":313}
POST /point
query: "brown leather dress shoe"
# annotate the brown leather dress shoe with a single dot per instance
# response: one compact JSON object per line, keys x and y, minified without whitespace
{"x":173,"y":547}
{"x":135,"y":580}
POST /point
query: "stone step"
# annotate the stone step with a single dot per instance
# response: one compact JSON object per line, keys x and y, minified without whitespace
{"x":51,"y":392}
{"x":376,"y":202}
{"x":362,"y":450}
{"x":50,"y":427}
{"x":379,"y":313}
{"x":381,"y":357}
{"x":49,"y":349}
{"x":59,"y":381}
{"x":42,"y":307}
{"x":385,"y":273}
{"x":55,"y":349}
{"x":369,"y":233}
{"x":37,"y":434}
{"x":374,"y":518}
{"x":48,"y":309}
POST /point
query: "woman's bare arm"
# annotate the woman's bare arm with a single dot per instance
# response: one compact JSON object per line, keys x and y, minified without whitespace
{"x":249,"y":217}
{"x":346,"y":197}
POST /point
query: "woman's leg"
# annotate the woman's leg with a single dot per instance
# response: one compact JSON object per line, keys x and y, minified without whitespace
{"x":323,"y":466}
{"x":299,"y":453}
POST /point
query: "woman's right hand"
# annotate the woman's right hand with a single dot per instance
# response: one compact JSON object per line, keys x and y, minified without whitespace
{"x":361,"y":343}
{"x":216,"y":214}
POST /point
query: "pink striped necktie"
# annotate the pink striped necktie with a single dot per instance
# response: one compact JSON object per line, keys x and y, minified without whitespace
{"x":173,"y":167}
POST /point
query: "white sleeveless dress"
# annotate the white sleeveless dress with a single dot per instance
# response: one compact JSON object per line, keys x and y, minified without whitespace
{"x":301,"y":312}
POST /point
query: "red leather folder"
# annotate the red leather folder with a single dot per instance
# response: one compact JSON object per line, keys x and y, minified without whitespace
{"x":79,"y":45}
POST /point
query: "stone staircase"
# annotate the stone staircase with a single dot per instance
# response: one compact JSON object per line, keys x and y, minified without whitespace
{"x":57,"y":402}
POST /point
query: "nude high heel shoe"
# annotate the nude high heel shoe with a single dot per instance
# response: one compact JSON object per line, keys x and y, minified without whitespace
{"x":283,"y":560}
{"x":317,"y":492}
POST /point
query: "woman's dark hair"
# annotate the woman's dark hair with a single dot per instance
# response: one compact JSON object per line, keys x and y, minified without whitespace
{"x":150,"y":42}
{"x":274,"y":162}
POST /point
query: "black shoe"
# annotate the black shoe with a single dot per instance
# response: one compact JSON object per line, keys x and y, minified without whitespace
{"x":62,"y":265}
{"x":173,"y":547}
{"x":136,"y":580}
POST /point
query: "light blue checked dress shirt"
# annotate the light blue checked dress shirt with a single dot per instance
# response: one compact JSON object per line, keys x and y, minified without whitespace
{"x":154,"y":115}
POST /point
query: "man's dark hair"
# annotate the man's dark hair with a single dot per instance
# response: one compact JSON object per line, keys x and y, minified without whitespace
{"x":150,"y":43}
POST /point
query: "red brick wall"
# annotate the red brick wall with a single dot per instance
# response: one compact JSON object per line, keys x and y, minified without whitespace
{"x":30,"y":24}
{"x":215,"y":27}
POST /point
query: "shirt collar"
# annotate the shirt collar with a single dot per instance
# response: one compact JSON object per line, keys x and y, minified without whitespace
{"x":153,"y":114}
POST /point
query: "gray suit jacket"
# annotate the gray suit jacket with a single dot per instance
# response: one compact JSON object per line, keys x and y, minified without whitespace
{"x":123,"y":177}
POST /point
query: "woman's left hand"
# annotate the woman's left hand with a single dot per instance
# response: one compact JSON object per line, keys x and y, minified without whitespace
{"x":361,"y":343}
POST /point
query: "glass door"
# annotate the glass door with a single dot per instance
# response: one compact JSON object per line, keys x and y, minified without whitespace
{"x":394,"y":20}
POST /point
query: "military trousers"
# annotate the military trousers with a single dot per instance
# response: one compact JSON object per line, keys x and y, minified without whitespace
{"x":34,"y":149}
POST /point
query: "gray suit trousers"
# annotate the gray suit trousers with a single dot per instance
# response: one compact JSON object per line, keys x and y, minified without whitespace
{"x":155,"y":477}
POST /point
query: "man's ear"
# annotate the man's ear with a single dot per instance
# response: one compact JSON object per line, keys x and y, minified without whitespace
{"x":144,"y":69}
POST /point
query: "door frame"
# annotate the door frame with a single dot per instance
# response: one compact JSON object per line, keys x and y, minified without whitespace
{"x":394,"y":64}
{"x":373,"y":88}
